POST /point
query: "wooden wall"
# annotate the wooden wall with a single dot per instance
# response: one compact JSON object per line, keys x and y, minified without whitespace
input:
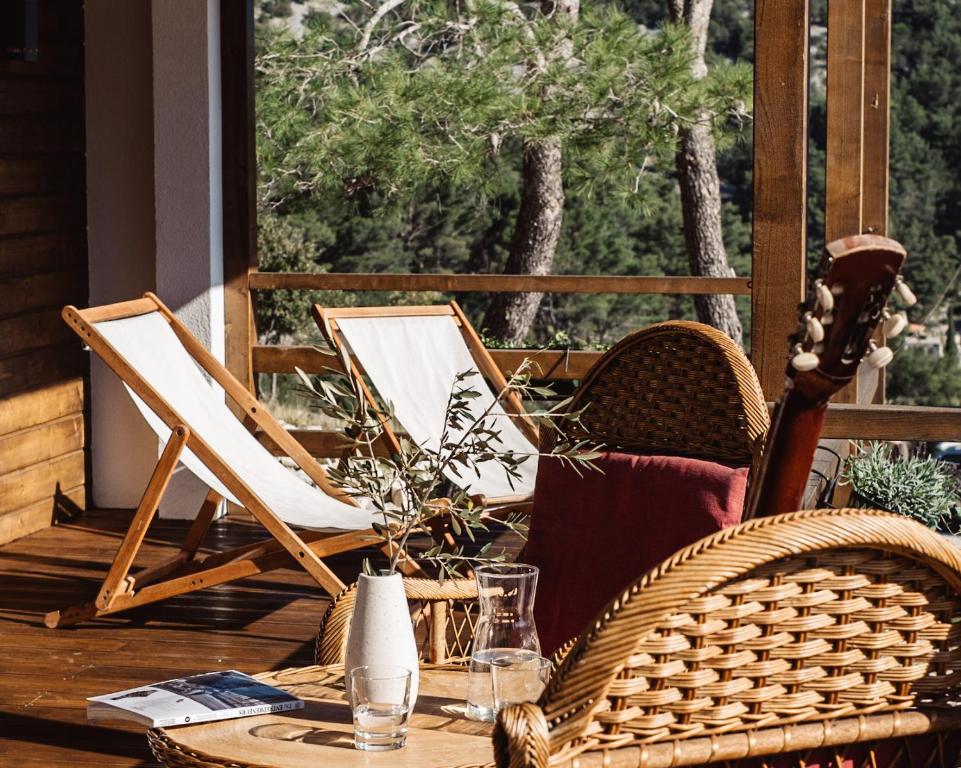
{"x":43,"y":265}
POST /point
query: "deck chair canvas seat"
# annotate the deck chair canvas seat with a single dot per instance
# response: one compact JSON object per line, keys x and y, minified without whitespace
{"x":162,"y":367}
{"x":412,"y":356}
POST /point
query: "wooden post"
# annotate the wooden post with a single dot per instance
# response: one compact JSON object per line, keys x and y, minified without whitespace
{"x":780,"y":183}
{"x":239,"y":182}
{"x":877,"y":131}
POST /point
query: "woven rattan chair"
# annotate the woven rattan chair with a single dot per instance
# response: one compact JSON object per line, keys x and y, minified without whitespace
{"x":816,"y":637}
{"x":676,"y":388}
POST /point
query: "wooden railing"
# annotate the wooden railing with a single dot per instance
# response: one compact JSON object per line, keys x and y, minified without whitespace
{"x":888,"y":422}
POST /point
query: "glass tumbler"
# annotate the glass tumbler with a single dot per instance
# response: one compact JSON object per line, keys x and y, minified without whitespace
{"x":505,"y":627}
{"x":517,"y":680}
{"x":381,"y":706}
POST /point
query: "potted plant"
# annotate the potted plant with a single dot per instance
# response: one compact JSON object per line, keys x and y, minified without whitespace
{"x":410,"y":496}
{"x":919,"y":487}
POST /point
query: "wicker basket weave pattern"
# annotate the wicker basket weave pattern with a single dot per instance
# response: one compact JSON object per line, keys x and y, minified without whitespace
{"x":678,"y":388}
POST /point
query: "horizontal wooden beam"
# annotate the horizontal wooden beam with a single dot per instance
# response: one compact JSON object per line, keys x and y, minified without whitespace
{"x":322,"y":443}
{"x":892,"y":422}
{"x":553,"y":364}
{"x":344,"y":281}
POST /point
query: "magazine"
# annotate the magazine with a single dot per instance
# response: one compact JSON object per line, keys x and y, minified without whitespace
{"x":194,"y":699}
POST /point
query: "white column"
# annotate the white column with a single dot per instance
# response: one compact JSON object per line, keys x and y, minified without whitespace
{"x":120,"y":227}
{"x":187,"y":185}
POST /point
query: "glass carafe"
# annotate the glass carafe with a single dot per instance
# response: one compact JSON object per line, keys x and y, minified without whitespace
{"x":505,"y":627}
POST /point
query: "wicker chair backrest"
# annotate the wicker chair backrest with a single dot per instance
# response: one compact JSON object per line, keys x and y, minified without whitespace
{"x":676,"y":388}
{"x":804,"y":617}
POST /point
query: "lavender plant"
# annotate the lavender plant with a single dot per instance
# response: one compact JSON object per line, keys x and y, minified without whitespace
{"x":407,"y":489}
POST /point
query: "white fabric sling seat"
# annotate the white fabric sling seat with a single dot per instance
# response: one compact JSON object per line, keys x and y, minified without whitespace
{"x":163,"y":367}
{"x":412,"y":356}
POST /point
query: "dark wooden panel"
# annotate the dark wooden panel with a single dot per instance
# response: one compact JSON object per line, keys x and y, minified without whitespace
{"x":36,"y":330}
{"x":32,"y":174}
{"x":780,"y":182}
{"x":38,"y":406}
{"x":42,"y":443}
{"x":37,"y":133}
{"x":53,"y":289}
{"x":40,"y":369}
{"x":36,"y":516}
{"x":41,"y":481}
{"x":40,"y":96}
{"x":239,"y":183}
{"x":41,"y":213}
{"x":342,"y":281}
{"x":33,"y":254}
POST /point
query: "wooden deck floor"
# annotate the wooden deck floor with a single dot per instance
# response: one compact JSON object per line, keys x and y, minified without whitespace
{"x":252,"y":625}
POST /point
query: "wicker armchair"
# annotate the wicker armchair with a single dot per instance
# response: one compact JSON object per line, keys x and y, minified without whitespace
{"x":820,"y":629}
{"x":676,"y":388}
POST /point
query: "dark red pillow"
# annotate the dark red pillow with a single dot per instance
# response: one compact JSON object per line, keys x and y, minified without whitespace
{"x":593,"y":534}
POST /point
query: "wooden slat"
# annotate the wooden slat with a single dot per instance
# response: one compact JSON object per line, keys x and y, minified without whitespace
{"x":550,"y":363}
{"x":37,"y":369}
{"x":46,"y":441}
{"x":37,"y":330}
{"x":28,"y":174}
{"x":40,"y":96}
{"x":877,"y":111}
{"x":892,"y":422}
{"x":320,"y":443}
{"x":26,"y":486}
{"x":41,"y":213}
{"x":845,"y":131}
{"x":36,"y":516}
{"x":32,"y":255}
{"x":239,"y":183}
{"x":38,"y":406}
{"x":53,"y":289}
{"x":845,"y":119}
{"x":780,"y":182}
{"x":342,"y":281}
{"x":38,"y":133}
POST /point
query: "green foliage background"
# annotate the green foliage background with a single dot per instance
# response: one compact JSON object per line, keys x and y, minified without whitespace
{"x":449,"y":228}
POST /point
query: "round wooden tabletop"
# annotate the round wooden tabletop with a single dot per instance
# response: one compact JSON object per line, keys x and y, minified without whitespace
{"x":321,"y":734}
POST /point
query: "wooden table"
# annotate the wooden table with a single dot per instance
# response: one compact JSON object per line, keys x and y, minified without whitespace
{"x":321,"y":734}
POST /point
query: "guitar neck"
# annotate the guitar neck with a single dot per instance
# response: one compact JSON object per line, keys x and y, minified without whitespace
{"x":788,"y":456}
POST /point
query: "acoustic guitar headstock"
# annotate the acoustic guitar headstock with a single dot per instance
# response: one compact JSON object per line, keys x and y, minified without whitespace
{"x":844,"y":307}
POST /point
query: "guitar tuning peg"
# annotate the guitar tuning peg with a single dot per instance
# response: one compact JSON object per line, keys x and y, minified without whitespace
{"x":878,"y":357}
{"x":894,"y":324}
{"x":826,"y":319}
{"x":814,"y":328}
{"x":824,"y":296}
{"x":804,"y":361}
{"x":905,"y":292}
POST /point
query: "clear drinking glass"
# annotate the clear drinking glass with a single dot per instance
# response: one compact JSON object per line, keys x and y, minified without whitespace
{"x":518,"y":679}
{"x":505,"y":627}
{"x":380,"y":697}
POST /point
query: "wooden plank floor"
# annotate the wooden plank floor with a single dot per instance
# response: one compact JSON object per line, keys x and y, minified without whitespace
{"x":252,"y":625}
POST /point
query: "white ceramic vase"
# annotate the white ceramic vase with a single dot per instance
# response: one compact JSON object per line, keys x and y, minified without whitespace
{"x":380,"y":629}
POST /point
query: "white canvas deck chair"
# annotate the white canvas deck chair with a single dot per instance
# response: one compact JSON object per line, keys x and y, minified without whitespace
{"x":160,"y":363}
{"x":412,"y":356}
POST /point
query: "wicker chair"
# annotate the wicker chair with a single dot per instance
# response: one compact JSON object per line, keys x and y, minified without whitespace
{"x":676,"y":388}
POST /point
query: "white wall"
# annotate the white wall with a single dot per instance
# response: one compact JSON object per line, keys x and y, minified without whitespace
{"x":154,"y":205}
{"x":120,"y":225}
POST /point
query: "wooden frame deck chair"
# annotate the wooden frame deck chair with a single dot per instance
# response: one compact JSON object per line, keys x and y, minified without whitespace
{"x":412,"y":356}
{"x":162,"y":366}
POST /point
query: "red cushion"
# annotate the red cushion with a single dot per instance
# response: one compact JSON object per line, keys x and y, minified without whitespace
{"x":593,"y":534}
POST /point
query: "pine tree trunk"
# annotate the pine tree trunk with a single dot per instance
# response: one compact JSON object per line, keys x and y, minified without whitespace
{"x":536,"y":234}
{"x":510,"y":315}
{"x":696,"y":162}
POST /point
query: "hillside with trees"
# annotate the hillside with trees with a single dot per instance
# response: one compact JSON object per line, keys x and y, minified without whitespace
{"x":418,"y":141}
